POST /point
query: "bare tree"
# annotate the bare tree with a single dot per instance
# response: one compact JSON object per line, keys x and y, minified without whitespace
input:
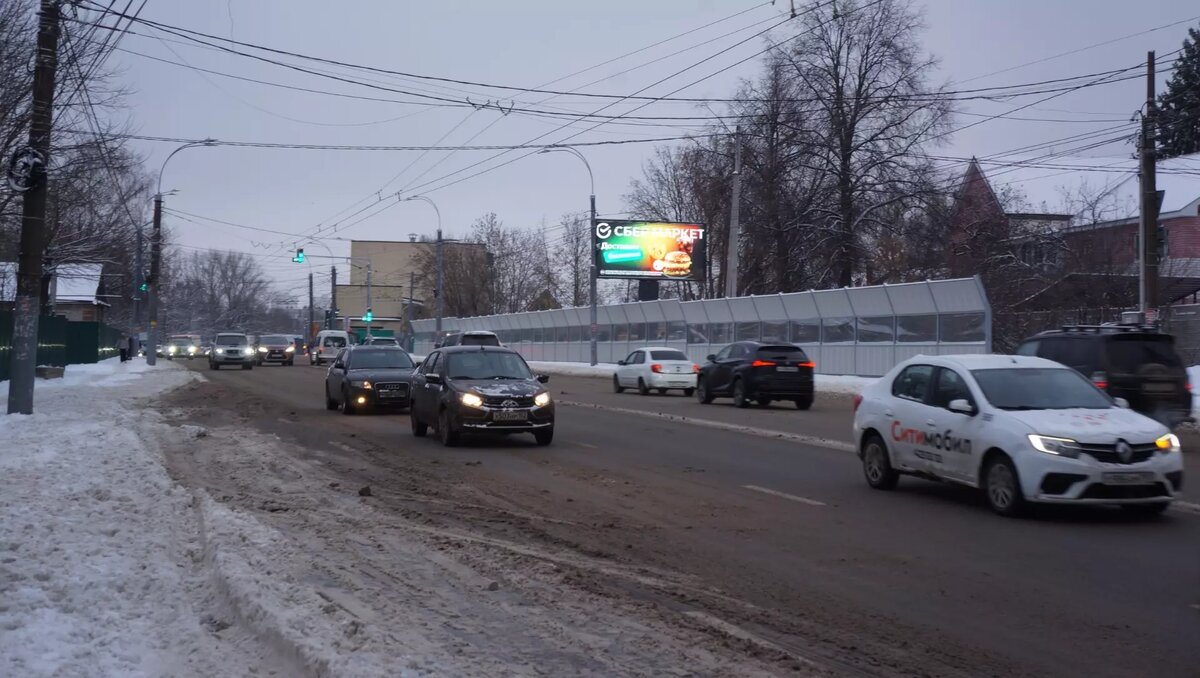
{"x":573,"y":259}
{"x":217,"y":290}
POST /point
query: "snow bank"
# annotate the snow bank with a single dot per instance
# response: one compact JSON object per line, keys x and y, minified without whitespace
{"x":96,"y":541}
{"x":826,"y":383}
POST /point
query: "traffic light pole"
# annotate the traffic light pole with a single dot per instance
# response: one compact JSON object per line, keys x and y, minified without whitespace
{"x":308,"y":330}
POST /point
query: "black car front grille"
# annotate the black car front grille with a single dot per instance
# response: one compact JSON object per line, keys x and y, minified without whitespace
{"x":1108,"y":453}
{"x":392,"y":389}
{"x":508,"y":401}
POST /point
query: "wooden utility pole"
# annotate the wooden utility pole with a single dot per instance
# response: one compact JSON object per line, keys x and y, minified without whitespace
{"x":1148,"y":289}
{"x":31,"y":163}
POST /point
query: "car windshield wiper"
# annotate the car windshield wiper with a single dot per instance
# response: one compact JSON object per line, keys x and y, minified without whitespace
{"x":1022,"y":408}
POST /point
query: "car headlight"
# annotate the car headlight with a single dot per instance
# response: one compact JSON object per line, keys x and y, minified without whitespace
{"x":263,"y":349}
{"x":365,"y":385}
{"x":1168,"y":443}
{"x":290,"y":349}
{"x":248,"y":351}
{"x":191,"y":349}
{"x":1063,"y":447}
{"x":542,"y":399}
{"x":471,"y":400}
{"x":220,"y":351}
{"x":171,"y":349}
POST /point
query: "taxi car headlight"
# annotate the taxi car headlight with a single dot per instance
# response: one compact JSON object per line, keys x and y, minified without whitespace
{"x":471,"y":400}
{"x":542,"y":399}
{"x":1063,"y":447}
{"x":290,"y":349}
{"x":1168,"y":443}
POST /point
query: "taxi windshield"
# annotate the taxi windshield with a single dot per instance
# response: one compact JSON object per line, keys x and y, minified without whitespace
{"x":1039,"y":388}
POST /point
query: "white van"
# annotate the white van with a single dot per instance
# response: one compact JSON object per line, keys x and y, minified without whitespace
{"x":326,"y":346}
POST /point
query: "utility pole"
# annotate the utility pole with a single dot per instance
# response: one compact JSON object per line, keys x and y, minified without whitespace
{"x":333,"y":297}
{"x":731,"y":258}
{"x":370,"y":313}
{"x":1148,"y":289}
{"x":412,"y":291}
{"x":139,"y":274}
{"x":308,"y":330}
{"x":438,"y":293}
{"x":592,"y":284}
{"x":34,"y":159}
{"x":155,"y":268}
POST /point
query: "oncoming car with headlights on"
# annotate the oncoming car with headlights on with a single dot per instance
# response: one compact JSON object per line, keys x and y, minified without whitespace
{"x":1022,"y":429}
{"x":364,"y":377}
{"x":231,"y":348}
{"x":480,"y":389}
{"x":276,"y":348}
{"x":181,"y":347}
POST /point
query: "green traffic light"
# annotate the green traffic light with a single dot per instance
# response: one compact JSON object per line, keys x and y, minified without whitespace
{"x":299,"y":258}
{"x":368,"y":316}
{"x":143,"y":287}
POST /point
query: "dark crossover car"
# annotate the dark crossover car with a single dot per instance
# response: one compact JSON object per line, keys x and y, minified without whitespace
{"x":478,"y":389}
{"x":276,"y":348}
{"x":231,"y":348}
{"x":1132,"y":362}
{"x":364,"y":377}
{"x":749,"y":371}
{"x":471,"y":338}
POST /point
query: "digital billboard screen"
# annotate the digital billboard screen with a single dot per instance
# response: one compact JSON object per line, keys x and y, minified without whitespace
{"x":652,"y":250}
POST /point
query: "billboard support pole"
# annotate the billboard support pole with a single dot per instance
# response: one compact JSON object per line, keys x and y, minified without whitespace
{"x":593,"y":285}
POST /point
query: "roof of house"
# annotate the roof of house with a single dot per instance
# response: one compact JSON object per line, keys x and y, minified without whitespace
{"x":1052,"y":186}
{"x":74,"y":283}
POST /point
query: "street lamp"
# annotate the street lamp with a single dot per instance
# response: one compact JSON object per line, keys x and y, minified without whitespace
{"x":438,"y":293}
{"x":156,"y":253}
{"x":592,"y":277}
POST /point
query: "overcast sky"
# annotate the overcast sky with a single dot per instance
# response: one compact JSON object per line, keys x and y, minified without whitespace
{"x":531,"y":43}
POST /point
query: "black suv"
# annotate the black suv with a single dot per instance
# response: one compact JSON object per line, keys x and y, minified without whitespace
{"x":481,"y":389}
{"x":1126,"y":361}
{"x":749,"y":371}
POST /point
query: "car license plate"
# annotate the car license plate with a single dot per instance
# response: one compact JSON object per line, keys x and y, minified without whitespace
{"x":1128,"y":478}
{"x":787,"y":369}
{"x":509,"y":416}
{"x":1158,"y":388}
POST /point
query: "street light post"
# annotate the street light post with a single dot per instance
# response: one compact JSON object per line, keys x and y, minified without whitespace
{"x":592,"y":330}
{"x":439,"y":244}
{"x":156,"y":254}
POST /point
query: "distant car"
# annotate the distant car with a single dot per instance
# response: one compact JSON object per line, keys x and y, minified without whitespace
{"x":480,"y":389}
{"x":470,"y":338}
{"x":382,"y":341}
{"x":181,"y":348}
{"x":276,"y":348}
{"x":1132,"y":362}
{"x":369,"y":377}
{"x":749,"y":371}
{"x":1022,"y":429}
{"x":656,"y":368}
{"x":231,"y":348}
{"x":327,"y":345}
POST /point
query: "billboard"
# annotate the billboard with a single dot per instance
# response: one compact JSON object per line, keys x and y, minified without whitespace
{"x":653,"y":250}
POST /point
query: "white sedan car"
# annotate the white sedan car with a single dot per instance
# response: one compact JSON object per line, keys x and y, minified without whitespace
{"x":1023,"y":429}
{"x":656,"y":368}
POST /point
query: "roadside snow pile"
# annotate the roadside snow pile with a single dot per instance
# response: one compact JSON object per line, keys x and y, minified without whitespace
{"x":843,"y":383}
{"x":95,"y":538}
{"x":826,"y":383}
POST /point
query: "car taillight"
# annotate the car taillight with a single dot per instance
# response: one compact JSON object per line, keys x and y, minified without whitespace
{"x":1100,"y":379}
{"x":656,"y":368}
{"x":857,"y":401}
{"x":696,"y":369}
{"x":762,"y":363}
{"x":810,"y":364}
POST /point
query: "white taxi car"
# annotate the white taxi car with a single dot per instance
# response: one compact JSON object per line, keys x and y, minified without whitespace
{"x":656,"y":368}
{"x":1023,"y":429}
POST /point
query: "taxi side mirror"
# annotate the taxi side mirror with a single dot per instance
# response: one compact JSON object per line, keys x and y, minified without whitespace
{"x":1121,"y":403}
{"x":961,"y":406}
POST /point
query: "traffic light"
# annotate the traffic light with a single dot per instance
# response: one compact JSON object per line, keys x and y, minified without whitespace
{"x":144,"y":287}
{"x":299,"y":258}
{"x":368,"y":316}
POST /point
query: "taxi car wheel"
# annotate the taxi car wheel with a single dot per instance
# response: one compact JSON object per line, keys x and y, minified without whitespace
{"x":739,"y":394}
{"x":446,"y":432}
{"x":702,"y":393}
{"x":1001,"y":487}
{"x":687,"y":392}
{"x":1146,"y":509}
{"x":419,"y":428}
{"x":617,"y":387}
{"x":877,"y":467}
{"x":544,"y":436}
{"x":642,"y":387}
{"x":330,"y":403}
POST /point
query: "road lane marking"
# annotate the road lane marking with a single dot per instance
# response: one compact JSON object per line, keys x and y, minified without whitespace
{"x":1185,"y":506}
{"x":587,"y":445}
{"x":814,"y":441}
{"x":785,"y":495}
{"x":343,"y":447}
{"x":284,"y":421}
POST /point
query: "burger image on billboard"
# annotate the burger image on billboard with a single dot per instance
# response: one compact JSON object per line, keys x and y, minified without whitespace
{"x":648,"y":249}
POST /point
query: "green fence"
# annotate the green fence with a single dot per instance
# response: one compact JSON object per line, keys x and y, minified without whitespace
{"x":61,"y":343}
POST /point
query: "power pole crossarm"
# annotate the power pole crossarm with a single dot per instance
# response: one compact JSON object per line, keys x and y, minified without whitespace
{"x":35,"y":159}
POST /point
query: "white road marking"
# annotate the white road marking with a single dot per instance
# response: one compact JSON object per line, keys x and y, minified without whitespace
{"x":838,"y":445}
{"x":587,"y":445}
{"x":343,"y":447}
{"x":284,"y":421}
{"x":785,"y":495}
{"x":1185,"y":506}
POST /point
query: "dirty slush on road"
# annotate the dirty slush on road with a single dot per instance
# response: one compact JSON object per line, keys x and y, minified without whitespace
{"x":365,"y":559}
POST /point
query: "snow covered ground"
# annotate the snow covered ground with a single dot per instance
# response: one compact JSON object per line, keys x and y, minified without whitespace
{"x":97,"y":544}
{"x":826,"y":383}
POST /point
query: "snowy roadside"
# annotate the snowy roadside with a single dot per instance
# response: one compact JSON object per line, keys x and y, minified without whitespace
{"x":98,"y":546}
